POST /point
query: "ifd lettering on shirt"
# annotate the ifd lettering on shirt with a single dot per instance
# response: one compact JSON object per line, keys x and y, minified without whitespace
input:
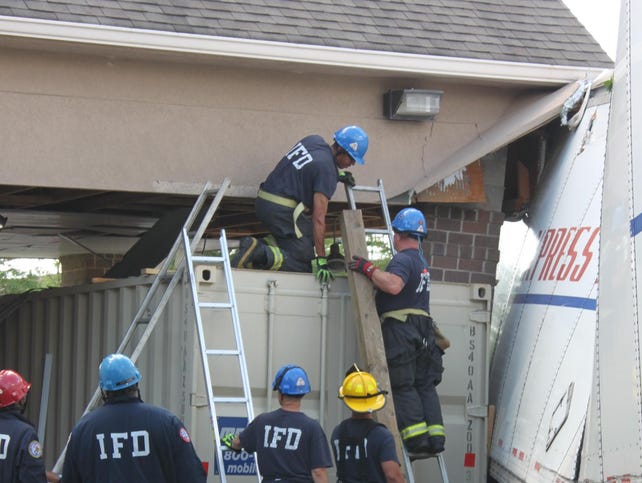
{"x":276,"y":437}
{"x":136,"y":442}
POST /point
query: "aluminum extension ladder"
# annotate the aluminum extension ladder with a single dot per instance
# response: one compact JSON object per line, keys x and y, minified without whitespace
{"x":390,"y":233}
{"x":384,"y":208}
{"x":148,"y":315}
{"x":209,"y":354}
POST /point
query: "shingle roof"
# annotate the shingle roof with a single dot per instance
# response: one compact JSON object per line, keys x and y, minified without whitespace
{"x":533,"y":31}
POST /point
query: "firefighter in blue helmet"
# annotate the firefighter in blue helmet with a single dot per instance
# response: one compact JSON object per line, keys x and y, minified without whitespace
{"x":290,"y":446}
{"x":127,"y":439}
{"x":20,"y":451}
{"x":293,"y":202}
{"x":413,"y":355}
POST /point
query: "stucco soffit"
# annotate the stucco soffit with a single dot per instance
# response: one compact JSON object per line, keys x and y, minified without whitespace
{"x":280,"y":52}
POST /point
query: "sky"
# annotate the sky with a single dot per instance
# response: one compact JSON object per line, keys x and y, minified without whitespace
{"x":601,"y":18}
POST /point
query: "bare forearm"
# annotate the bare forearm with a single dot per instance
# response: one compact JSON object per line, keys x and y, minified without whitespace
{"x":387,"y":282}
{"x":320,"y":475}
{"x":319,"y":212}
{"x":392,"y":471}
{"x":318,"y":232}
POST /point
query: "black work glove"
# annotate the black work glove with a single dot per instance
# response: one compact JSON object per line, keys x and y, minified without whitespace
{"x":346,"y":178}
{"x":321,"y":270}
{"x":227,"y":441}
{"x":363,"y":265}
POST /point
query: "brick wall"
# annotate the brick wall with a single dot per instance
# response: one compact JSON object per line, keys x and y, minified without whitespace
{"x":462,"y":244}
{"x":80,"y":269}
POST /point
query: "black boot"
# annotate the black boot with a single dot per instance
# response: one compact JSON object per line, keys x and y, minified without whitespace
{"x":243,"y":256}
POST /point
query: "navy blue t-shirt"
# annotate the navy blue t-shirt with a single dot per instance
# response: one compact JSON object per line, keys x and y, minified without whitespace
{"x":128,"y":440}
{"x":308,"y":168}
{"x":377,"y":447}
{"x":411,"y":266}
{"x":288,"y":445}
{"x":20,"y":452}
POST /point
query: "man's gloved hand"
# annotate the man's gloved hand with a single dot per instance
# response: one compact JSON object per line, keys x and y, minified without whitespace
{"x":321,"y":270}
{"x":363,"y":265}
{"x":227,"y":441}
{"x":346,"y":178}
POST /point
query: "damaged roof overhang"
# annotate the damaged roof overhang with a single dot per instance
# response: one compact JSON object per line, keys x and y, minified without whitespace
{"x":526,"y":116}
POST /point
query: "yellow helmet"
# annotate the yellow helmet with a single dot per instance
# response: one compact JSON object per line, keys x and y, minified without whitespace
{"x":361,"y":394}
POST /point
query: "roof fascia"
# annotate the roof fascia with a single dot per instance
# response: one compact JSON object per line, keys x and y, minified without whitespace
{"x":365,"y":60}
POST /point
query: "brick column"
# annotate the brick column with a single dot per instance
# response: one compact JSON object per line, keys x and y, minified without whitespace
{"x":80,"y":269}
{"x":462,"y":244}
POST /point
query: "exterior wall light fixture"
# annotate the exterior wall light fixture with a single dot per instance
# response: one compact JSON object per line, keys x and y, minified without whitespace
{"x":411,"y":104}
{"x":3,"y":221}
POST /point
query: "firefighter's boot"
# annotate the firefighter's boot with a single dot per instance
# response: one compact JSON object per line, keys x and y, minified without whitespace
{"x":243,"y":256}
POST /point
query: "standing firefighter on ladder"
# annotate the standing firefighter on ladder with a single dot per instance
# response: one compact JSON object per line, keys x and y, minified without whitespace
{"x":413,"y":356}
{"x":293,"y":203}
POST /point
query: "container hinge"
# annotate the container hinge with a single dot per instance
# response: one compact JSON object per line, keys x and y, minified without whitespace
{"x":198,"y":400}
{"x":481,"y":316}
{"x":476,"y":411}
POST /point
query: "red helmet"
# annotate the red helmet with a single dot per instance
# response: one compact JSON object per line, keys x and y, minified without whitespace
{"x":13,"y":387}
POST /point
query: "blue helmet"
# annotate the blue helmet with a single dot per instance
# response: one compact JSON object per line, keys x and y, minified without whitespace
{"x":354,"y":140}
{"x":412,"y":221}
{"x":291,"y":380}
{"x":117,"y":372}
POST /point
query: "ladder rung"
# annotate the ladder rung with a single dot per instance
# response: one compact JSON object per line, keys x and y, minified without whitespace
{"x":222,"y":352}
{"x":230,"y":400}
{"x":381,"y":231}
{"x":215,"y":305}
{"x":208,"y":260}
{"x":366,"y":188}
{"x":143,"y":321}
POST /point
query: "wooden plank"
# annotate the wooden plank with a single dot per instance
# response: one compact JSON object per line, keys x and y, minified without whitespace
{"x":371,"y":348}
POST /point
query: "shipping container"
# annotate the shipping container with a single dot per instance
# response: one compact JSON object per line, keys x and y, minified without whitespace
{"x":285,"y":317}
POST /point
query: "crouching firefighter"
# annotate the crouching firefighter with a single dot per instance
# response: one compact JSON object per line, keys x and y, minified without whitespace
{"x":364,"y":450}
{"x":413,"y":356}
{"x":293,"y":203}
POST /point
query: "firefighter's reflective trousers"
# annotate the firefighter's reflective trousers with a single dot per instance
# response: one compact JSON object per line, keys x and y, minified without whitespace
{"x":415,"y":368}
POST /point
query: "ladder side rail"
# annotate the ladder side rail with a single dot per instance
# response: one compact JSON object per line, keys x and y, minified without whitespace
{"x":209,"y":214}
{"x":442,"y":467}
{"x":204,"y":357}
{"x":165,"y":266}
{"x":237,"y":328}
{"x":350,"y":196}
{"x":386,"y":214}
{"x":151,"y":293}
{"x":410,"y":475}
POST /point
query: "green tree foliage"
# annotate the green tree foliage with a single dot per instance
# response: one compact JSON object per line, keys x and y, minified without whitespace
{"x":14,"y":281}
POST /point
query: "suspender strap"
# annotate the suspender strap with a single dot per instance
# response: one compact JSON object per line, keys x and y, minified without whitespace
{"x":344,"y":439}
{"x":402,"y":314}
{"x":298,"y":207}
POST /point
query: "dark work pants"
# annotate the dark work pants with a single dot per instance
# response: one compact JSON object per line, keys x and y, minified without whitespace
{"x":297,"y":252}
{"x":415,"y":368}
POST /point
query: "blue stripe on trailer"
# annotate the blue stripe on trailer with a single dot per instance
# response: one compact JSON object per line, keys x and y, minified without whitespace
{"x":636,"y":225}
{"x":558,"y":300}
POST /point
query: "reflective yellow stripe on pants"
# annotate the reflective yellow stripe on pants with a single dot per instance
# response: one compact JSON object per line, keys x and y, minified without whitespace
{"x":414,"y":430}
{"x":436,"y":430}
{"x":298,"y":207}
